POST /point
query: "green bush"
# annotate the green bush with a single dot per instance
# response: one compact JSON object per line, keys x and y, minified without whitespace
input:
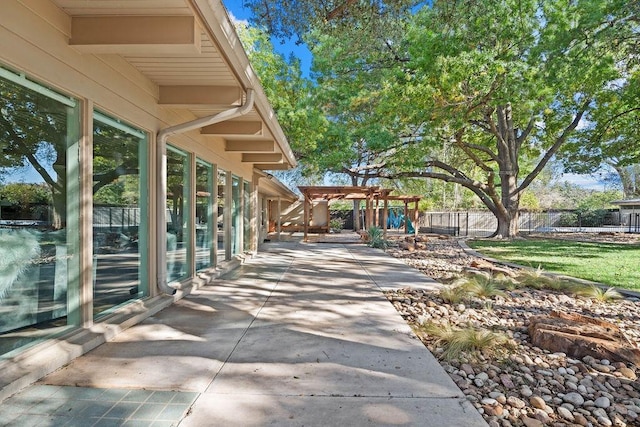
{"x":375,"y":238}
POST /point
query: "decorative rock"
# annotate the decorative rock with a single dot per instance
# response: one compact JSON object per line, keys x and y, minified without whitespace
{"x":489,"y":401}
{"x":531,"y":422}
{"x":604,"y":421}
{"x":541,"y":415}
{"x":628,"y":373}
{"x":580,"y":420}
{"x":574,"y":398}
{"x":565,"y":413}
{"x":602,"y":402}
{"x":562,"y":386}
{"x":515,"y":402}
{"x":537,"y":402}
{"x":573,"y":334}
{"x":506,"y":381}
{"x":468,"y":369}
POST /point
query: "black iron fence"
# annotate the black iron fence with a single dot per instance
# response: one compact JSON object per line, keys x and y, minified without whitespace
{"x":482,"y":223}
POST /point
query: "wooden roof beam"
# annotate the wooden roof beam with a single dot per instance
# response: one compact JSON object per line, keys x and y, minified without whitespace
{"x":135,"y":34}
{"x":197,"y":96}
{"x":262,"y":158}
{"x":272,"y":166}
{"x":231,"y":128}
{"x":250,"y":146}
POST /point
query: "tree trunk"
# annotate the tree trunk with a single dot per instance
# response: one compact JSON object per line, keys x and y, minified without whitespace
{"x":508,"y":156}
{"x":630,"y":178}
{"x":507,"y":224}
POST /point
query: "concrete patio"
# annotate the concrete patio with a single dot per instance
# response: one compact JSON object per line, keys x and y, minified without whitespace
{"x":299,"y":335}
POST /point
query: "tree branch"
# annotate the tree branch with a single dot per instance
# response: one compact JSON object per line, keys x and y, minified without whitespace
{"x":554,"y":148}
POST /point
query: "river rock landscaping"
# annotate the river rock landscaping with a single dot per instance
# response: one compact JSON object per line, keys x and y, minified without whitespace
{"x":510,"y":381}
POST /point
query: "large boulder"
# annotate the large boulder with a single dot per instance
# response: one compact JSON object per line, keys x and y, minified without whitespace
{"x":579,"y":336}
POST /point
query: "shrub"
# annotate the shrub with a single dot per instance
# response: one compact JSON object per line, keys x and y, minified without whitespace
{"x":599,"y":294}
{"x":336,"y":224}
{"x":464,"y":341}
{"x":536,"y":279}
{"x":375,"y":238}
{"x":482,"y":286}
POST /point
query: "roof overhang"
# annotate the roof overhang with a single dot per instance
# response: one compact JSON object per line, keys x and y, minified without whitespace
{"x":190,"y":50}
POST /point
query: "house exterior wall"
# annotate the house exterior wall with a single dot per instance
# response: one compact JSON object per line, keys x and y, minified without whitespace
{"x":34,"y":41}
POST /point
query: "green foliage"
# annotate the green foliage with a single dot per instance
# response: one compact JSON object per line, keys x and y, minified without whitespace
{"x":25,"y":194}
{"x":466,"y":341}
{"x":375,"y":238}
{"x":599,"y":294}
{"x":290,"y":94}
{"x":453,"y":294}
{"x":608,"y":263}
{"x":481,"y":286}
{"x":336,"y":224}
{"x":536,"y":279}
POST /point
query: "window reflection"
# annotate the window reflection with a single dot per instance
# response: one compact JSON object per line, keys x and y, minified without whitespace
{"x":117,"y":212}
{"x":38,"y":138}
{"x":236,"y":217}
{"x":222,"y":179}
{"x":204,"y":215}
{"x":247,"y":216}
{"x":177,"y":214}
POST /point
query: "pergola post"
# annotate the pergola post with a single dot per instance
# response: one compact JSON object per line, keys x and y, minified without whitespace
{"x":385,"y":213}
{"x":279,"y":216}
{"x":376,"y":216}
{"x":415,"y":218}
{"x":368,"y":216}
{"x":306,"y":216}
{"x":406,"y":217}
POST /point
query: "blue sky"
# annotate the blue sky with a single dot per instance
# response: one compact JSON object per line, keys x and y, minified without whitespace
{"x":239,"y":12}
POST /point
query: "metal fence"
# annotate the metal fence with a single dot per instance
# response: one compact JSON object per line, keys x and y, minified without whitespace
{"x":482,"y":223}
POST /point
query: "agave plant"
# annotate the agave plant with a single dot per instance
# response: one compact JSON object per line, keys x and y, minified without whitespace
{"x":375,"y":238}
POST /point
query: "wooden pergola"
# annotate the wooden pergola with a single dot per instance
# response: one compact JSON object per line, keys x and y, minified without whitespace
{"x":370,"y":194}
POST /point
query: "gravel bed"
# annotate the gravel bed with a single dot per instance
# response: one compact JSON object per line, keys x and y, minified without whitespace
{"x":525,"y":385}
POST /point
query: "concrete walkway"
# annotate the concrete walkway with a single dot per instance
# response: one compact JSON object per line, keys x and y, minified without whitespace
{"x":301,"y":335}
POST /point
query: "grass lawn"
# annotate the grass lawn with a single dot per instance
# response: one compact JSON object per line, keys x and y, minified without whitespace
{"x":613,"y":264}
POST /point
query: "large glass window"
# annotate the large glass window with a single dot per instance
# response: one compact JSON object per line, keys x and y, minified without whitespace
{"x":39,"y":211}
{"x":222,"y":191}
{"x":204,"y":219}
{"x":177,"y":214}
{"x":247,"y":216}
{"x":236,"y":216}
{"x":119,"y":213}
